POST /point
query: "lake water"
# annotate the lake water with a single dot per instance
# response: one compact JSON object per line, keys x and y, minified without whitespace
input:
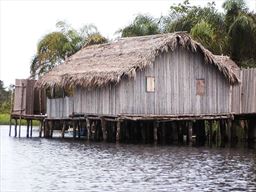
{"x":42,"y":165}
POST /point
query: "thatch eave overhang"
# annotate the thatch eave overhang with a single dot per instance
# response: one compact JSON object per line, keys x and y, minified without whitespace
{"x":100,"y":65}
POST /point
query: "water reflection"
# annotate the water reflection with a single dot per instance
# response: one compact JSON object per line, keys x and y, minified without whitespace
{"x":68,"y":165}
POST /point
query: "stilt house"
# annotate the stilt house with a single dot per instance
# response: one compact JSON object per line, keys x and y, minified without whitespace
{"x":161,"y":75}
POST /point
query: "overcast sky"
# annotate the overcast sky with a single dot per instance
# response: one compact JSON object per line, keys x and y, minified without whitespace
{"x":23,"y":23}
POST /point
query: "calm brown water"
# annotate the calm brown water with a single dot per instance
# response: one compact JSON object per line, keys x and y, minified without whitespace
{"x":43,"y":165}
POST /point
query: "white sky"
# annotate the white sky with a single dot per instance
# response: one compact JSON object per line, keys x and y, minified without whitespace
{"x":24,"y":23}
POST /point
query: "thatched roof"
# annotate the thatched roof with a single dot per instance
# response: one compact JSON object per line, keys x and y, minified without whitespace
{"x":98,"y":65}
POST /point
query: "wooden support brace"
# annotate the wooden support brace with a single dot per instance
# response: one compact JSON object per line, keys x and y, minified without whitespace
{"x":63,"y":129}
{"x":190,"y":132}
{"x":15,"y":128}
{"x":156,"y":125}
{"x":52,"y":124}
{"x":79,"y":129}
{"x":104,"y":130}
{"x":210,"y":132}
{"x":118,"y":129}
{"x":31,"y":127}
{"x":27,"y":135}
{"x":41,"y":128}
{"x":10,"y":126}
{"x":20,"y":127}
{"x":88,"y":127}
{"x":74,"y":128}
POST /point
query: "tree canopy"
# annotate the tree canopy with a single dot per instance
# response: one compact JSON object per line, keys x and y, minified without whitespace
{"x":56,"y":46}
{"x":231,"y":33}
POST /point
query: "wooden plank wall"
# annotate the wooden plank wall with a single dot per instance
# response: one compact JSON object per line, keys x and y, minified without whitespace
{"x":175,"y":90}
{"x":244,"y":94}
{"x":60,"y":107}
{"x":28,"y":96}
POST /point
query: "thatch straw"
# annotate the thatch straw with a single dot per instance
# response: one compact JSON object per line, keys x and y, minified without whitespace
{"x":99,"y":65}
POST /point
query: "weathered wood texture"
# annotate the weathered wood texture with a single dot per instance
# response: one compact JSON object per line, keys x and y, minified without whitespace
{"x":244,"y":94}
{"x":27,"y":105}
{"x":175,"y":75}
{"x":61,"y":107}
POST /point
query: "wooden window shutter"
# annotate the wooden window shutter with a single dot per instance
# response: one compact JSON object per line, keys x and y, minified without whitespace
{"x":200,"y":87}
{"x":150,"y":84}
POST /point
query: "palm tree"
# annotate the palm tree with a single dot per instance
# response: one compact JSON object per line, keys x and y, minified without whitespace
{"x":142,"y":25}
{"x":241,"y":27}
{"x":55,"y":47}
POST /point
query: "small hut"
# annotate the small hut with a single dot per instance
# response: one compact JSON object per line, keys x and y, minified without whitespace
{"x":158,"y":75}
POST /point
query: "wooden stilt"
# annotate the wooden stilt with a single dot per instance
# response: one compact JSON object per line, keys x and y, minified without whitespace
{"x":27,"y":128}
{"x":79,"y":128}
{"x":10,"y":126}
{"x":88,"y":127}
{"x":163,"y":134}
{"x":20,"y":126}
{"x":118,"y":128}
{"x":63,"y":129}
{"x":156,"y":125}
{"x":143,"y":132}
{"x":252,"y":130}
{"x":190,"y":132}
{"x":103,"y":128}
{"x":46,"y":127}
{"x":74,"y":128}
{"x":40,"y":128}
{"x":52,"y":125}
{"x":31,"y":127}
{"x":210,"y":133}
{"x":11,"y":110}
{"x":15,"y":128}
{"x":222,"y":132}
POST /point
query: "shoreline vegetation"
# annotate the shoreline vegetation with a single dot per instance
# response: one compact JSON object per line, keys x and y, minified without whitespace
{"x":5,"y":120}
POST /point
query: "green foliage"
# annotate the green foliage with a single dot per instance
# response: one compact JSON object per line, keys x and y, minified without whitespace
{"x":5,"y":120}
{"x":204,"y":33}
{"x":56,"y":46}
{"x":241,"y":27}
{"x":5,"y":99}
{"x":205,"y":24}
{"x":95,"y":38}
{"x":142,"y":25}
